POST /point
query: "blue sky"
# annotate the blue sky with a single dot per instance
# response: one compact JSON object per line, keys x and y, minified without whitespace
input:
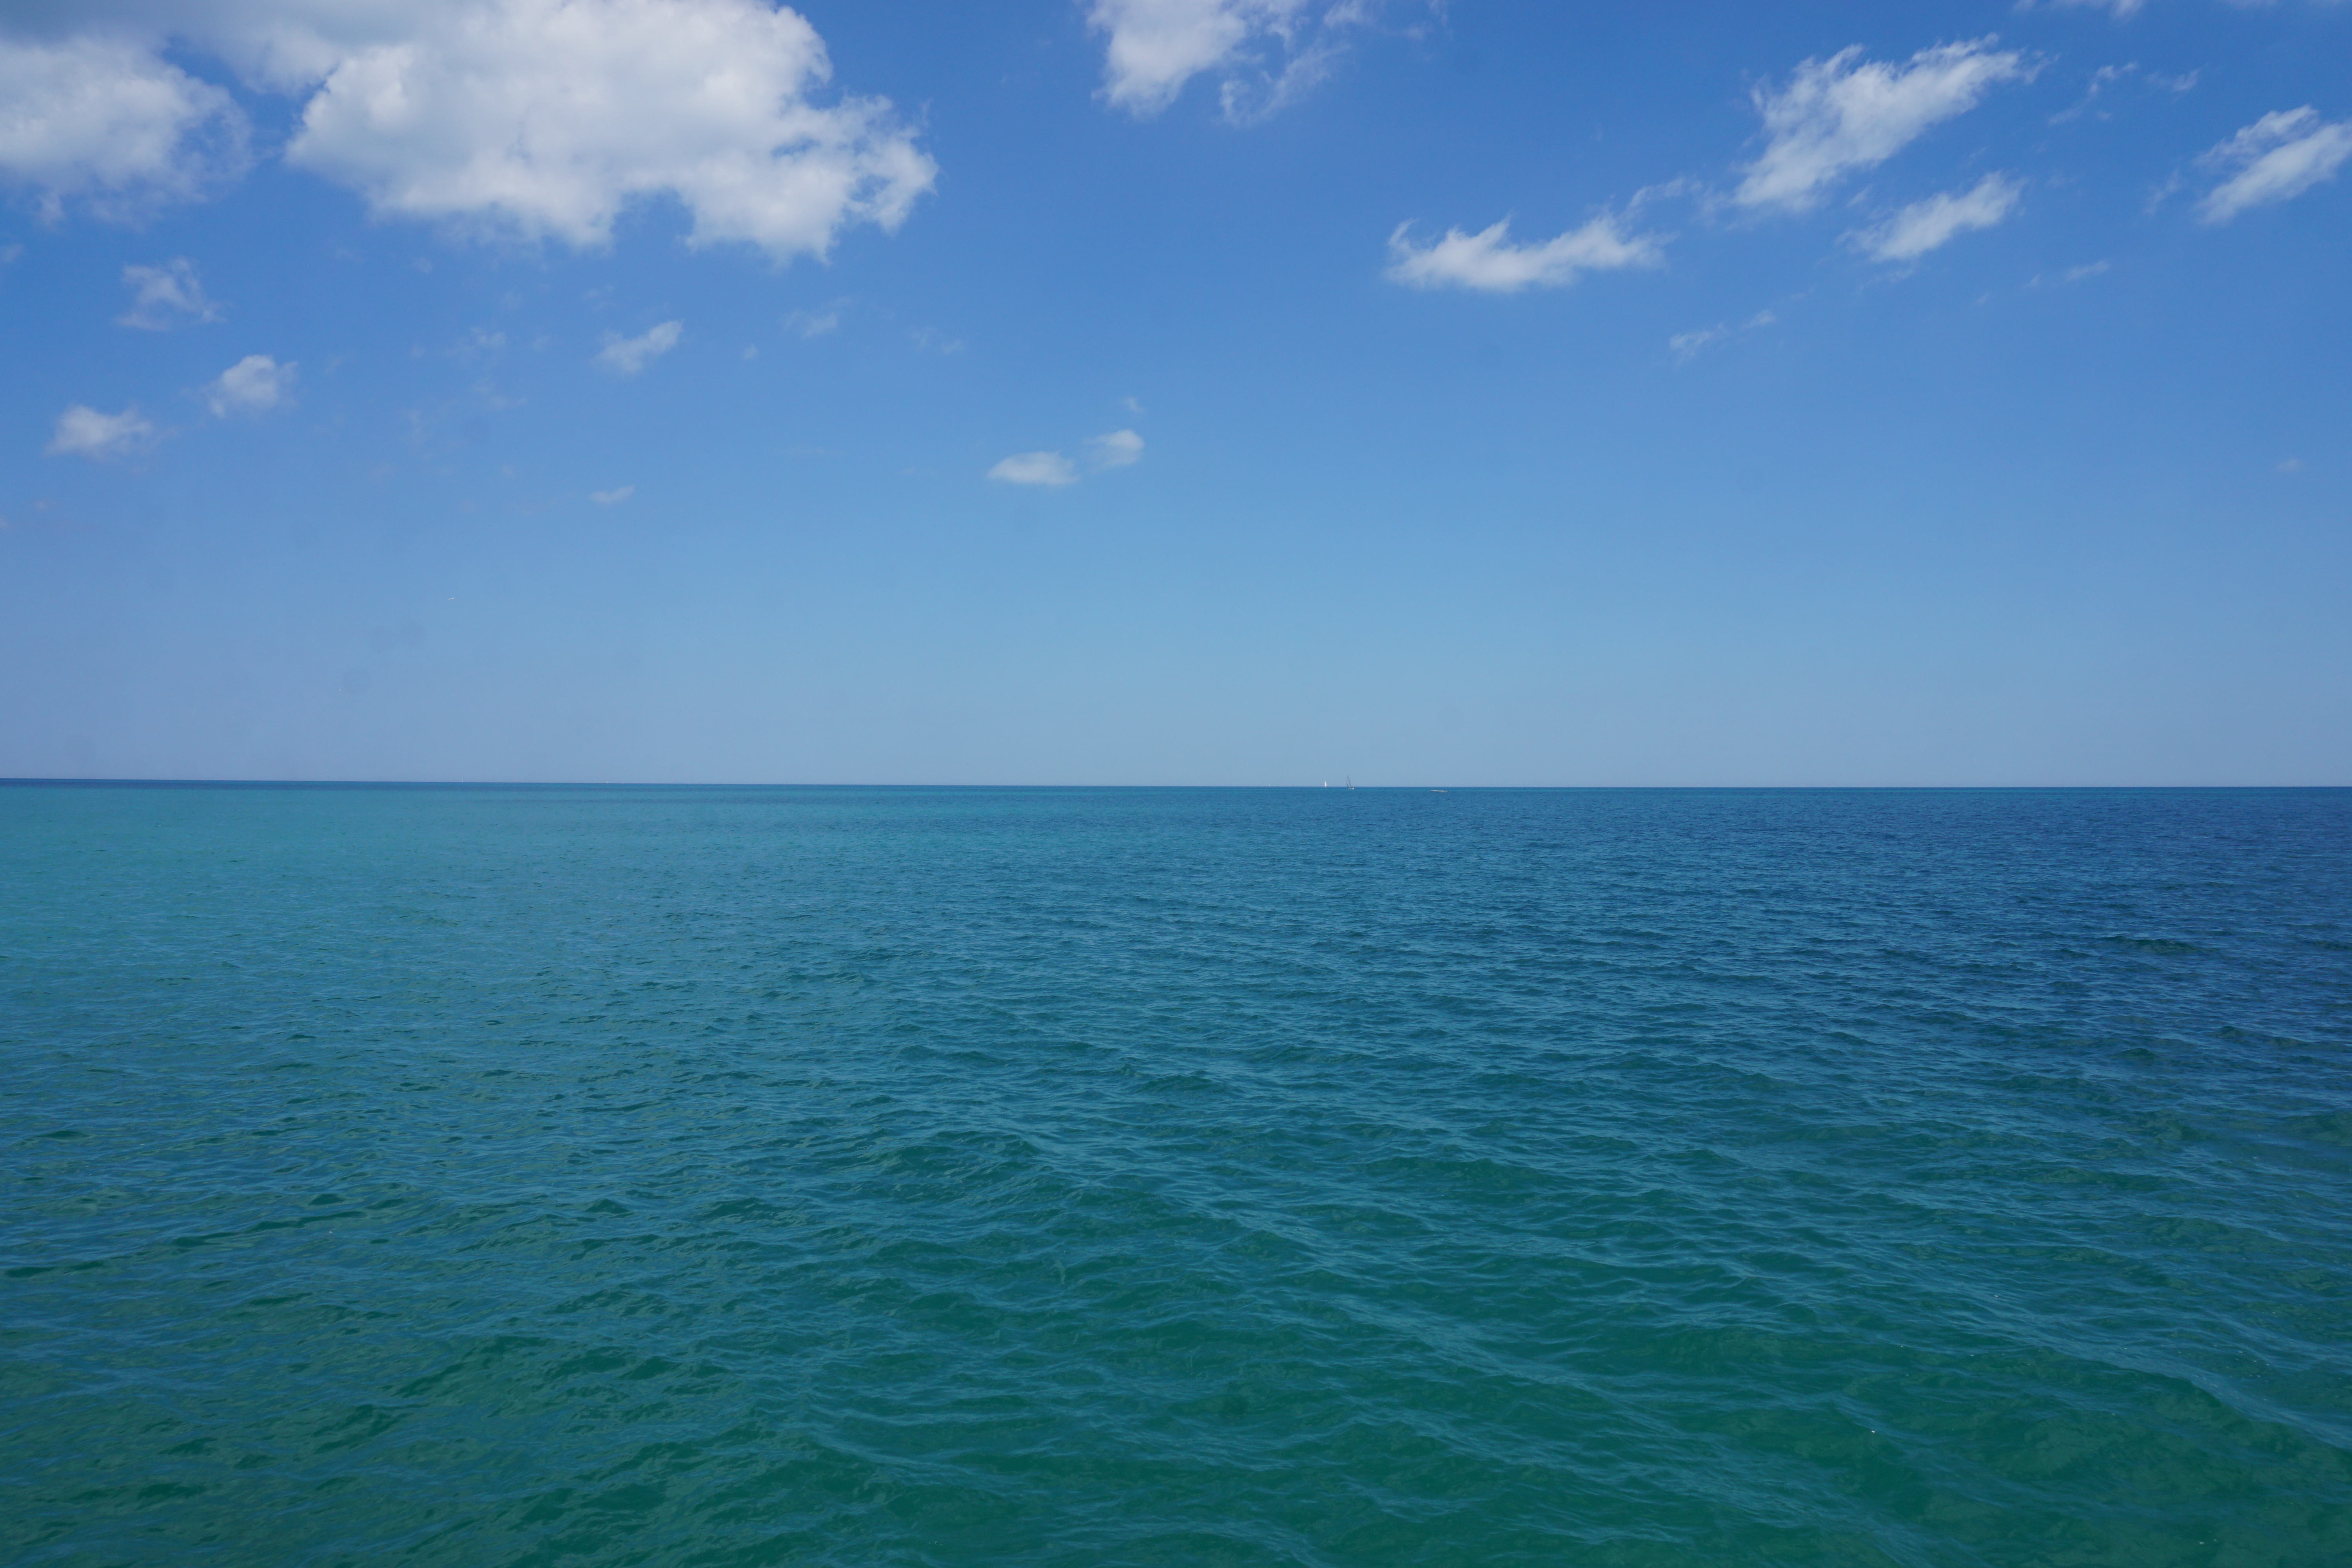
{"x":1142,"y":392}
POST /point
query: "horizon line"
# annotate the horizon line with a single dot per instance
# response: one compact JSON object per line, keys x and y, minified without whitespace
{"x":68,"y":781}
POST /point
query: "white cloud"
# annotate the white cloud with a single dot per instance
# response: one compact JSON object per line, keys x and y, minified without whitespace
{"x":1488,"y":261}
{"x":2277,"y":158}
{"x":1155,"y":46}
{"x":1924,"y":226}
{"x":165,"y":297}
{"x":1035,"y":469}
{"x":626,"y":356}
{"x":1846,"y":113}
{"x":1686,"y":346}
{"x":613,"y":497}
{"x":551,"y":117}
{"x":254,"y":385}
{"x":1267,"y":52}
{"x":83,"y":432}
{"x":99,"y":119}
{"x":544,"y":119}
{"x":1116,"y":450}
{"x":812,"y":324}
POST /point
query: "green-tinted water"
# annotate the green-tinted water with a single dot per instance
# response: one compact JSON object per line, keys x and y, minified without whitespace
{"x":1055,"y":1177}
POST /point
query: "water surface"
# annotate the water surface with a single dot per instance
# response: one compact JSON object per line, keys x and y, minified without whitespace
{"x":1204,"y":1177}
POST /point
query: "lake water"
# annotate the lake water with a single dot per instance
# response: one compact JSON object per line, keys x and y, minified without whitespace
{"x":829,"y":1177}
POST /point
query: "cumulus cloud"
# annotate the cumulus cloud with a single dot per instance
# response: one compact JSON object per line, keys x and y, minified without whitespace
{"x":1116,"y":450}
{"x":626,"y":356}
{"x":165,"y":297}
{"x":1924,"y":226}
{"x":1035,"y":469}
{"x":101,"y":121}
{"x":551,"y":115}
{"x":2275,"y":159}
{"x":1845,"y":113}
{"x":83,"y":432}
{"x":613,"y":497}
{"x":254,"y":385}
{"x":1488,"y":261}
{"x":544,"y":119}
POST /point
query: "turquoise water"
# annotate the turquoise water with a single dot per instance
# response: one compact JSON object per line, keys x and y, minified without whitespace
{"x":1201,"y":1177}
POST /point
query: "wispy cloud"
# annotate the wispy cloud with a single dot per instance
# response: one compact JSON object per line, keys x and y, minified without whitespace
{"x":254,"y":385}
{"x":1488,"y":261}
{"x":1267,"y":52}
{"x":1923,"y":227}
{"x":813,"y":324}
{"x":2081,"y":274}
{"x":1035,"y":469}
{"x":626,"y":356}
{"x":1688,"y":346}
{"x":165,"y":297}
{"x":1685,"y":346}
{"x":613,"y":497}
{"x":83,"y":432}
{"x":1846,"y":113}
{"x":2276,"y":159}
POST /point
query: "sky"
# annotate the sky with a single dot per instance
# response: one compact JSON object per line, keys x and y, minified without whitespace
{"x":1177,"y":392}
